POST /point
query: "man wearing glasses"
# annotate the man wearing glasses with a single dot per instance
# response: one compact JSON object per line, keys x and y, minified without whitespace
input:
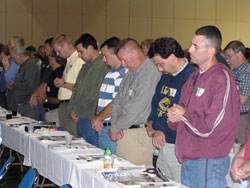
{"x":235,"y":56}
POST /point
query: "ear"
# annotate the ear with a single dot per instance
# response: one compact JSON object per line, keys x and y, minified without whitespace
{"x":172,"y":58}
{"x":90,"y":47}
{"x":212,"y":51}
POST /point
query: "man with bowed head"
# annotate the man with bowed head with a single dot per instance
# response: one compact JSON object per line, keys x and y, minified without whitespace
{"x":132,"y":105}
{"x":168,"y":57}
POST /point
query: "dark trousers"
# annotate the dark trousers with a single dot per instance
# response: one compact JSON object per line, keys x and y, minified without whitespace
{"x":3,"y":99}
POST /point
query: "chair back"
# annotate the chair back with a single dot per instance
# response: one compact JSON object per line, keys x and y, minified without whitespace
{"x":6,"y":166}
{"x":30,"y":178}
{"x":66,"y":186}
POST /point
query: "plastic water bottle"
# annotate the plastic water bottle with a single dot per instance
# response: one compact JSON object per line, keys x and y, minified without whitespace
{"x":107,"y":158}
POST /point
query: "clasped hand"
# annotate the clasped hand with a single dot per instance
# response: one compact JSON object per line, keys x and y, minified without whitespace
{"x":175,"y":113}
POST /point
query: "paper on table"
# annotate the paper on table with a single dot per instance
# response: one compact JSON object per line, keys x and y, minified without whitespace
{"x":51,"y":132}
{"x":19,"y":121}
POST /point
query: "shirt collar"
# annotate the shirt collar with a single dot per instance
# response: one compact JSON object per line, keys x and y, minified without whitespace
{"x":73,"y":56}
{"x":181,"y":69}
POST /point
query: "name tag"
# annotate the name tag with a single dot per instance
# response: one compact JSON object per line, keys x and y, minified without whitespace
{"x":200,"y":92}
{"x":173,"y":92}
{"x":130,"y":92}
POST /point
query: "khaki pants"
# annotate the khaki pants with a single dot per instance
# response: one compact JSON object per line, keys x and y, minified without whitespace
{"x":136,"y":146}
{"x":168,"y":163}
{"x":65,"y":120}
{"x":52,"y":116}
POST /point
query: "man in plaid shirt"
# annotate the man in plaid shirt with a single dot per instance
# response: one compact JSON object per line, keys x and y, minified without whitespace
{"x":235,"y":56}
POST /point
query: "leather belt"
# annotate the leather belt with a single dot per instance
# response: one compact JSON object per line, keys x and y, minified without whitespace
{"x":105,"y":124}
{"x":242,"y":113}
{"x":64,"y":101}
{"x":137,"y":126}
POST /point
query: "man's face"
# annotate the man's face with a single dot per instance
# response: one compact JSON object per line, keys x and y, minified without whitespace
{"x":16,"y":58}
{"x":11,"y":44}
{"x":127,"y":60}
{"x":231,"y":58}
{"x":83,"y":53}
{"x":107,"y":56}
{"x":41,"y":51}
{"x":48,"y":49}
{"x":61,"y":50}
{"x":199,"y":50}
{"x":164,"y":65}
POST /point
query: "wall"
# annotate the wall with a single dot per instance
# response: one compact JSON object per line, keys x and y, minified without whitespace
{"x":37,"y":20}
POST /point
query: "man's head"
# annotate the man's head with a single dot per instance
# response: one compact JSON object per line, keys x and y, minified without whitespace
{"x":30,"y":51}
{"x":130,"y":54}
{"x":41,"y":50}
{"x":87,"y":47}
{"x":56,"y":61}
{"x":16,"y":41}
{"x":108,"y":52}
{"x":205,"y":45}
{"x":4,"y":51}
{"x":62,"y":45}
{"x":165,"y":53}
{"x":235,"y":53}
{"x":247,"y":54}
{"x":48,"y":46}
{"x":18,"y":54}
{"x":145,"y":45}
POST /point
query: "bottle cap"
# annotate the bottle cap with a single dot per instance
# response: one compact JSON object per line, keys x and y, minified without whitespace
{"x":107,"y":148}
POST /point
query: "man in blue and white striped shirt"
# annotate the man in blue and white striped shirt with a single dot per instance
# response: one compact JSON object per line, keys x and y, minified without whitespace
{"x":109,"y":89}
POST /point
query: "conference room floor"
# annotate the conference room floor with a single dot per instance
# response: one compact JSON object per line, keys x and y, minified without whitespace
{"x":14,"y":175}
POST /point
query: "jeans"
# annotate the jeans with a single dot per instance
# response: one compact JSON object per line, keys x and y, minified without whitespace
{"x":42,"y":112}
{"x":104,"y":140}
{"x":84,"y":130}
{"x":248,"y":185}
{"x":205,"y":173}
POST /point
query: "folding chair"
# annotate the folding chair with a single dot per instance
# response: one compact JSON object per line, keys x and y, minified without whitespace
{"x":6,"y":166}
{"x":30,"y":179}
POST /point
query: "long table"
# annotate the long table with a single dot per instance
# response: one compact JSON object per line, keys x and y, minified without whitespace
{"x":60,"y":167}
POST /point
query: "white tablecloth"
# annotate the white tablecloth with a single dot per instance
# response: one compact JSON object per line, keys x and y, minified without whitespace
{"x":59,"y":166}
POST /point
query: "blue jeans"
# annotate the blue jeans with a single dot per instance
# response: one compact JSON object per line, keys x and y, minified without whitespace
{"x":248,"y":185}
{"x":42,"y":112}
{"x":104,"y":140}
{"x":84,"y":130}
{"x":205,"y":173}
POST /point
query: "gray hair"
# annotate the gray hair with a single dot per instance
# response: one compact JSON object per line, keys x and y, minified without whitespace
{"x":19,"y":50}
{"x":236,"y":46}
{"x":18,"y":41}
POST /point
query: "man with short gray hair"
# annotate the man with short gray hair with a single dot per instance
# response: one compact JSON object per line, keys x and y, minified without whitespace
{"x":27,"y":80}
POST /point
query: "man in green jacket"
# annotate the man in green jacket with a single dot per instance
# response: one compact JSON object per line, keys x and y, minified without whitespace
{"x":85,"y":93}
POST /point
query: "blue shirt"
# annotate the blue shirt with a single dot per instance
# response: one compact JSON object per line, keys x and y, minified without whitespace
{"x":12,"y":71}
{"x":168,"y":92}
{"x":242,"y":77}
{"x":110,"y":88}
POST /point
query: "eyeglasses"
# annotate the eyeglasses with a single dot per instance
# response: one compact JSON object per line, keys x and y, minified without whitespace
{"x":229,"y":57}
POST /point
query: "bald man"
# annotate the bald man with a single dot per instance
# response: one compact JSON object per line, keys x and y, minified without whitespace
{"x":132,"y":105}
